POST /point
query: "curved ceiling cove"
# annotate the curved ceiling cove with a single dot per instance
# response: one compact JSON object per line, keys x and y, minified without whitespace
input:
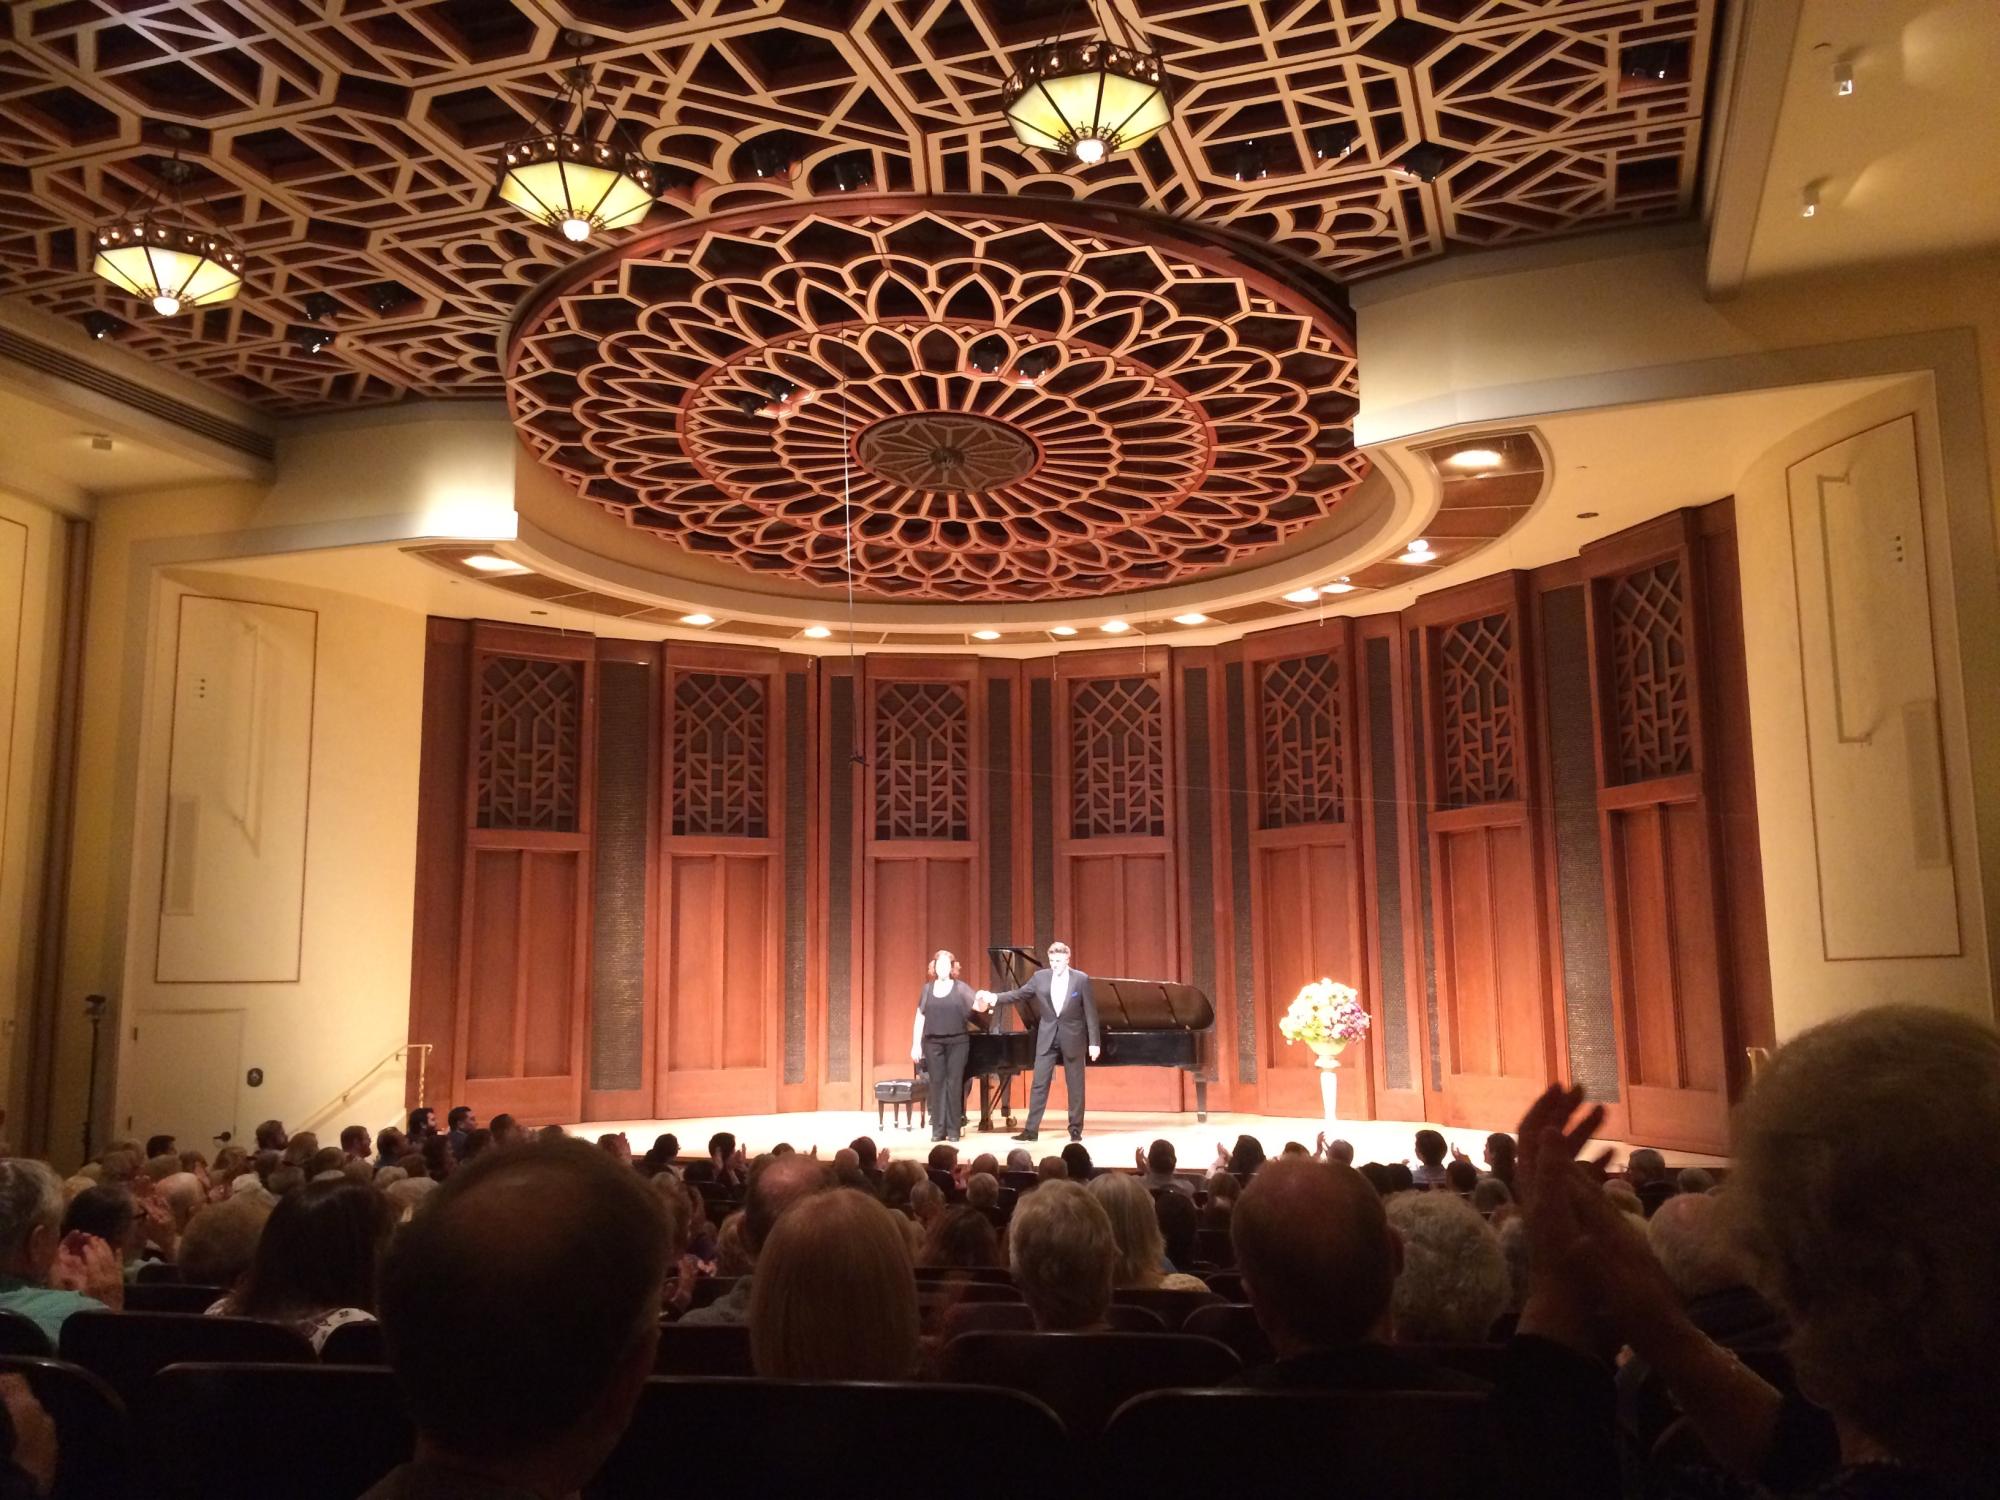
{"x":955,"y":399}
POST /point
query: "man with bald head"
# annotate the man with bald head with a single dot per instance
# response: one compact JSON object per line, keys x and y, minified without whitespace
{"x":1319,"y":1262}
{"x":776,"y":1183}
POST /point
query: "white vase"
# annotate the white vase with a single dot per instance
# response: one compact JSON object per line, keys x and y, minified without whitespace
{"x":1327,"y":1060}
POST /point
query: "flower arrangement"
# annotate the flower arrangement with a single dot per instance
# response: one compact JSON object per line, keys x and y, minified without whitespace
{"x":1325,"y":1014}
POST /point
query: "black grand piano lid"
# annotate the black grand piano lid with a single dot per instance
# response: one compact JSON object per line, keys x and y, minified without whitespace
{"x":1124,"y":1004}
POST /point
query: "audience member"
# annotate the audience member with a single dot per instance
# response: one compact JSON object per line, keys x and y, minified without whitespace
{"x":732,"y":1255}
{"x":1076,"y":1162}
{"x":421,"y":1126}
{"x":1695,"y":1180}
{"x":1399,"y":1177}
{"x":1019,"y":1159}
{"x":865,"y":1157}
{"x":982,"y":1190}
{"x":1337,"y":1151}
{"x":507,"y":1131}
{"x":899,"y":1180}
{"x":726,"y":1160}
{"x":474,"y":1282}
{"x":776,"y":1185}
{"x":1063,"y":1256}
{"x":1461,"y":1177}
{"x":615,"y":1144}
{"x":1489,"y":1196}
{"x":391,"y":1146}
{"x":160,"y":1145}
{"x":1244,"y":1159}
{"x":834,"y":1297}
{"x":1499,"y":1154}
{"x":270,"y":1136}
{"x":1180,"y":1226}
{"x":926,"y":1203}
{"x":109,"y":1215}
{"x":354,"y":1141}
{"x":1429,"y":1171}
{"x":661,"y":1155}
{"x":438,"y":1160}
{"x":1157,"y":1168}
{"x":46,"y":1276}
{"x":476,"y":1140}
{"x":316,"y":1261}
{"x":988,"y":1163}
{"x":962,"y":1238}
{"x":1052,"y":1169}
{"x":1453,"y":1284}
{"x":221,"y":1242}
{"x":458,"y":1124}
{"x":1141,"y":1263}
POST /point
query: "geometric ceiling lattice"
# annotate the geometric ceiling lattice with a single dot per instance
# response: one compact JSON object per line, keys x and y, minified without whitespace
{"x":349,"y":144}
{"x":956,"y":398}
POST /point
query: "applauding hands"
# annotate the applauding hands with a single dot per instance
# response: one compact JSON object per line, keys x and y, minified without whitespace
{"x":982,"y":999}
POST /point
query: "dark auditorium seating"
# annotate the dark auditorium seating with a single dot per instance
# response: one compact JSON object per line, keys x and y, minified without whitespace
{"x":757,"y":1439}
{"x":127,"y":1349}
{"x":995,"y":1274}
{"x":355,"y":1344}
{"x":1014,"y":1317}
{"x":704,"y":1349}
{"x":1228,"y":1285}
{"x":1172,"y":1306}
{"x":1482,"y":1360}
{"x":252,"y":1432}
{"x":1235,"y":1324}
{"x":154,"y":1272}
{"x":1084,"y":1377}
{"x":170,"y":1296}
{"x":1416,"y":1446}
{"x":93,"y":1432}
{"x":710,"y":1289}
{"x":1215,"y":1247}
{"x":24,"y":1336}
{"x":1020,"y":1182}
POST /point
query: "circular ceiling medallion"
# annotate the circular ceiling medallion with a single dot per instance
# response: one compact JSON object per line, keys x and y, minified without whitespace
{"x":953,"y":452}
{"x":999,"y":406}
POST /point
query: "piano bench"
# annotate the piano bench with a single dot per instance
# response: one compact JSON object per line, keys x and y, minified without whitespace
{"x":903,"y":1095}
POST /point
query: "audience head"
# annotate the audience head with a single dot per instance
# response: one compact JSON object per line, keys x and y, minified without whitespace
{"x":284,"y":1180}
{"x":551,"y":1133}
{"x":1340,"y":1153}
{"x":320,"y":1249}
{"x":1245,"y":1157}
{"x":476,"y":1284}
{"x":306,"y":1142}
{"x":899,"y":1180}
{"x":614,"y":1144}
{"x":31,"y":1210}
{"x":1883,"y":1262}
{"x":1645,"y":1165}
{"x":460,"y":1118}
{"x":943,"y":1157}
{"x":982,"y":1190}
{"x":1179,"y":1222}
{"x":1318,"y":1258}
{"x":1490,"y":1194}
{"x":1461,"y":1177}
{"x":834,"y":1298}
{"x":477,"y":1140}
{"x":1134,"y":1227}
{"x":1499,"y":1155}
{"x":437,"y":1156}
{"x":1695,"y":1180}
{"x":109,"y":1213}
{"x":986,"y":1162}
{"x":660,"y":1155}
{"x":1161,"y":1158}
{"x":1399,"y":1177}
{"x":221,"y":1242}
{"x":1625,"y":1198}
{"x":326,"y":1159}
{"x":1453,"y":1283}
{"x":271,"y":1136}
{"x":847,"y":1159}
{"x":1430,"y":1147}
{"x":678,"y":1213}
{"x":963,"y":1238}
{"x":183,"y":1194}
{"x":421,"y":1123}
{"x":721,"y":1146}
{"x":864,"y":1152}
{"x":1689,"y":1236}
{"x":160,"y":1145}
{"x":926,"y":1202}
{"x":1020,"y":1159}
{"x":779,"y":1183}
{"x":507,"y":1130}
{"x":1076,"y":1162}
{"x":1052,"y":1169}
{"x":732,"y":1250}
{"x":354,"y":1140}
{"x":1063,"y":1256}
{"x":391,"y":1144}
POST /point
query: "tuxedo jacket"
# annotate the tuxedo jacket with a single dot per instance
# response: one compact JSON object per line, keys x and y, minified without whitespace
{"x":1068,"y":1033}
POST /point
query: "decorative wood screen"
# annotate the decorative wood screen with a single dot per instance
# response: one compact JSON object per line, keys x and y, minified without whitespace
{"x":1298,"y":702}
{"x":528,"y":744}
{"x":923,"y":761}
{"x":1477,"y":711}
{"x":721,"y":730}
{"x":1118,"y":758}
{"x":1650,"y":678}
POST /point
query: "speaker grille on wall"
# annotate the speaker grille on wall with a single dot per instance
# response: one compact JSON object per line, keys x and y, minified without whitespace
{"x":797,"y":747}
{"x":1419,"y":759}
{"x":1000,"y":811}
{"x":1392,"y":1012}
{"x":1042,"y":779}
{"x":840,"y":878}
{"x":1235,"y":720}
{"x":618,"y":904}
{"x":1199,"y":841}
{"x":1586,"y":948}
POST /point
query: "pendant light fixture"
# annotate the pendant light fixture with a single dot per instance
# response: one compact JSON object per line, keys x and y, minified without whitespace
{"x":1087,"y":97}
{"x":564,"y":177}
{"x":157,"y":254}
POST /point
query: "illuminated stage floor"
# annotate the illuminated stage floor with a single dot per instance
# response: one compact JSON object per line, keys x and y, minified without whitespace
{"x":1111,"y":1138}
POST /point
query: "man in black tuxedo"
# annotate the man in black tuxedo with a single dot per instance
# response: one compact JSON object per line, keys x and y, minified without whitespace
{"x":1065,"y":1013}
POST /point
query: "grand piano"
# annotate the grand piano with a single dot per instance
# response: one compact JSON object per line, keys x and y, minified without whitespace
{"x":1145,"y":1023}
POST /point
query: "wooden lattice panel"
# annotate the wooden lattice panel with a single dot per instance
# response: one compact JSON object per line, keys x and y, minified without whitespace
{"x":528,"y":744}
{"x":720,"y":747}
{"x":1117,"y":758}
{"x":923,"y":761}
{"x":1479,"y":717}
{"x":1303,"y":762}
{"x":350,"y":145}
{"x":1651,"y":687}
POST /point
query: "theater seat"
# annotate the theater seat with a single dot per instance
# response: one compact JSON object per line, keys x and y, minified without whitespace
{"x":704,"y":1349}
{"x":710,"y":1289}
{"x":1084,"y":1377}
{"x":19,"y":1335}
{"x":1414,"y":1446}
{"x":1172,"y":1306}
{"x":94,"y":1438}
{"x":1482,"y":1360}
{"x":1234,"y":1324}
{"x":1014,"y":1317}
{"x":126,"y":1349}
{"x":1228,"y":1285}
{"x":992,"y":1275}
{"x":254,"y":1431}
{"x":756,"y":1439}
{"x":355,"y":1344}
{"x":1215,"y":1247}
{"x":170,"y":1296}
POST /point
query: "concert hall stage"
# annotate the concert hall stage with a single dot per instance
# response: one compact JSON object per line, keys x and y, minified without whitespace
{"x":1111,"y":1138}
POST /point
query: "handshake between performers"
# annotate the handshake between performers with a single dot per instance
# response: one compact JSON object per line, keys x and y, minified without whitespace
{"x":1059,"y":1001}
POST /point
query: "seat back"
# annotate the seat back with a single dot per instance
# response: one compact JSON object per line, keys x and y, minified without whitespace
{"x":154,"y":1271}
{"x":1084,"y":1377}
{"x":126,"y":1350}
{"x":1228,"y":1285}
{"x":1482,"y":1360}
{"x":710,"y":1289}
{"x":1215,"y":1247}
{"x":723,"y":1439}
{"x":171,"y":1296}
{"x":704,"y":1349}
{"x":1172,"y":1306}
{"x":24,"y":1336}
{"x":94,"y":1439}
{"x":1235,"y":1324}
{"x":996,"y":1275}
{"x":355,"y":1344}
{"x":313,"y":1432}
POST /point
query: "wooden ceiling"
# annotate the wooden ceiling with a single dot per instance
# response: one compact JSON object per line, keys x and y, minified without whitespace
{"x":349,"y":144}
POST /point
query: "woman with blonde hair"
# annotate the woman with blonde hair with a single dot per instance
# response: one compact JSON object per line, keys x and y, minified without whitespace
{"x":939,"y":1040}
{"x":1142,"y":1249}
{"x":834,"y":1297}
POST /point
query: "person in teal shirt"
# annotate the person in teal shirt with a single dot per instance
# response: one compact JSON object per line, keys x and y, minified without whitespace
{"x":44,"y":1276}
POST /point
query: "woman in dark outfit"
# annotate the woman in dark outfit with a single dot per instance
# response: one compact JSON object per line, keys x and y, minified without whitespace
{"x":938,"y":1040}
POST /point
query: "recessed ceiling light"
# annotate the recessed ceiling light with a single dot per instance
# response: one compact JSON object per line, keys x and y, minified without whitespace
{"x":697,"y":619}
{"x":1190,"y":619}
{"x":1302,"y":596}
{"x":1114,"y":627}
{"x":1419,"y":551}
{"x":1809,"y":201}
{"x":1338,"y":586}
{"x":1062,"y":630}
{"x":816,"y":632}
{"x":487,"y":562}
{"x":1843,"y":79}
{"x":100,"y":442}
{"x":986,"y":635}
{"x":1475,"y":458}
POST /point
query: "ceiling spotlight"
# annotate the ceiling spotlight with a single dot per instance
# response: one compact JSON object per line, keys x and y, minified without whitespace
{"x":697,"y":619}
{"x":1654,"y":62}
{"x":1033,"y":365}
{"x":492,"y":563}
{"x":1190,"y":619}
{"x":1114,"y":627}
{"x":749,"y":403}
{"x":310,"y":338}
{"x":987,"y":355}
{"x":771,"y":156}
{"x":1427,"y":161}
{"x":1065,"y":631}
{"x":1302,"y":596}
{"x":1475,"y":458}
{"x":1809,"y":201}
{"x":816,"y":632}
{"x":155,"y":252}
{"x":1418,"y":551}
{"x":319,"y":306}
{"x":1333,"y":142}
{"x":1339,"y":585}
{"x":100,"y":324}
{"x":848,"y":172}
{"x":574,"y":175}
{"x":1247,"y":162}
{"x":986,"y":635}
{"x":1843,"y":79}
{"x":779,"y":391}
{"x":1087,"y":97}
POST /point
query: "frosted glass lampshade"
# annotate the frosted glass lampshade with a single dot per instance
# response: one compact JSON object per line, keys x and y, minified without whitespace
{"x":171,"y":267}
{"x":1088,"y":99}
{"x":576,"y":186}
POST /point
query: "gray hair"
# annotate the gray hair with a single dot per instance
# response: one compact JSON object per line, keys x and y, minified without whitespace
{"x":1694,"y":1180}
{"x":30,"y":1196}
{"x":1488,"y":1194}
{"x":1688,"y":1235}
{"x":982,"y":1190}
{"x":1454,"y":1280}
{"x":1063,"y":1251}
{"x":1134,"y":1225}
